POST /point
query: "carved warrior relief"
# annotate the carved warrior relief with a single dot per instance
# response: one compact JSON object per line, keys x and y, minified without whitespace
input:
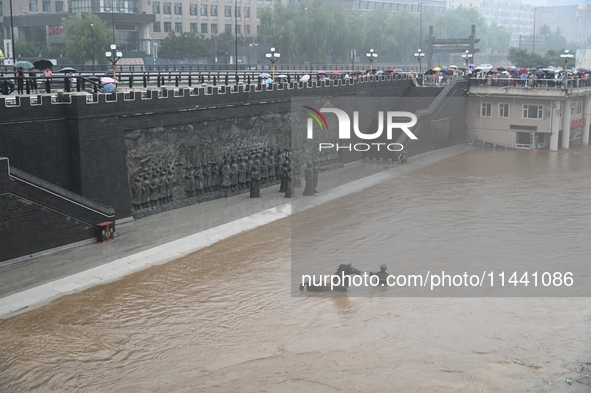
{"x":202,"y":161}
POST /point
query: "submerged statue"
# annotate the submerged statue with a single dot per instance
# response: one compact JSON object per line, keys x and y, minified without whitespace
{"x":254,"y":182}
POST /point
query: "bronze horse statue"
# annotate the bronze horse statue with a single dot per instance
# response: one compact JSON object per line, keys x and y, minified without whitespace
{"x":327,"y":282}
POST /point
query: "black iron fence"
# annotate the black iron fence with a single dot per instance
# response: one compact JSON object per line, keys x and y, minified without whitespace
{"x":228,"y":67}
{"x":95,"y":82}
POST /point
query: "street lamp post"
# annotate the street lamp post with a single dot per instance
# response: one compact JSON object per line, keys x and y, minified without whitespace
{"x":273,"y":57}
{"x":566,"y":56}
{"x":236,"y":34}
{"x":92,"y":44}
{"x":467,"y":56}
{"x":114,"y":58}
{"x":310,"y":38}
{"x":371,"y":56}
{"x":419,"y":55}
{"x":421,"y":22}
{"x":11,"y":55}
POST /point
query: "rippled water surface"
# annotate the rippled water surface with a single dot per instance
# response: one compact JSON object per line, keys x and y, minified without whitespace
{"x":223,"y":319}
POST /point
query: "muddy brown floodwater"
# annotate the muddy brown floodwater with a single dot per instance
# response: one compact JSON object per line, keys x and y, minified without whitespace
{"x":223,"y":319}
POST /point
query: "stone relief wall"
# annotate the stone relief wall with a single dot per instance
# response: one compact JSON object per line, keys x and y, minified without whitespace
{"x":171,"y":167}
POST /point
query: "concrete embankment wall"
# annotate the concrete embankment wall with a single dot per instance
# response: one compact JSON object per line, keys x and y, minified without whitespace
{"x":98,"y":145}
{"x":91,"y":144}
{"x":36,"y":215}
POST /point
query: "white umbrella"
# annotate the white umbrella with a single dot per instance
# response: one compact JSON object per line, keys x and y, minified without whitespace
{"x":106,"y":79}
{"x":264,"y":75}
{"x":305,"y":78}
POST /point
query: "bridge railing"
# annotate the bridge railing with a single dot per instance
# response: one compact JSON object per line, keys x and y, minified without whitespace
{"x":94,"y":83}
{"x":88,"y":68}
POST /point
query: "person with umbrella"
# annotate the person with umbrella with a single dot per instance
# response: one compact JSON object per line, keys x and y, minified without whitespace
{"x":20,"y":79}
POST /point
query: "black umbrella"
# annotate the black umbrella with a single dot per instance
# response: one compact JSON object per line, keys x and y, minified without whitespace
{"x":43,"y":64}
{"x":68,"y":69}
{"x":109,"y":72}
{"x":539,"y":72}
{"x":501,"y":69}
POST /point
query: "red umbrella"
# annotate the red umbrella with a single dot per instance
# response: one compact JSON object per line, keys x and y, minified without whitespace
{"x":336,"y":73}
{"x":523,"y":71}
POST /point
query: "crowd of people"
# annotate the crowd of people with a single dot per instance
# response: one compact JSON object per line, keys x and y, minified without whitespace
{"x":530,"y":77}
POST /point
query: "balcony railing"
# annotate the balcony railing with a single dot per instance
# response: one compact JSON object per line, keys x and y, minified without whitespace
{"x":531,"y":83}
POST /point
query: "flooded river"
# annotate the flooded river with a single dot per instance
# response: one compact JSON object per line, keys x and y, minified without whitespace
{"x":226,"y":319}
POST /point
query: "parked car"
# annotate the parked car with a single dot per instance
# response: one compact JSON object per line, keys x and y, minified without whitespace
{"x":6,"y":86}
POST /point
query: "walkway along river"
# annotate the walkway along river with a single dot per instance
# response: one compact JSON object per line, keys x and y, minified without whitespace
{"x":222,"y":319}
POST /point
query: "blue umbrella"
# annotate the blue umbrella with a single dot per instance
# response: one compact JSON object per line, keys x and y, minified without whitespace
{"x":108,"y":88}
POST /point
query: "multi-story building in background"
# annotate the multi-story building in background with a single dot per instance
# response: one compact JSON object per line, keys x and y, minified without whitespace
{"x":578,"y":27}
{"x":515,"y":15}
{"x":137,"y":24}
{"x":411,"y":6}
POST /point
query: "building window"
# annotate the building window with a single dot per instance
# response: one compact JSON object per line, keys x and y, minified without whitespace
{"x":238,"y":29}
{"x":193,"y":9}
{"x":157,"y":27}
{"x":59,"y":6}
{"x":485,"y":109}
{"x":178,"y":27}
{"x":246,"y":29}
{"x":247,"y":12}
{"x":228,"y":11}
{"x":579,"y":108}
{"x":167,"y":27}
{"x":1,"y":9}
{"x":204,"y":28}
{"x":214,"y":28}
{"x":194,"y":28}
{"x":259,"y":13}
{"x":203,"y":10}
{"x":166,"y":8}
{"x":214,"y":10}
{"x":237,"y":11}
{"x":533,"y":111}
{"x":46,"y":6}
{"x":178,"y":9}
{"x":33,"y":5}
{"x":156,"y":8}
{"x":503,"y":110}
{"x":228,"y":28}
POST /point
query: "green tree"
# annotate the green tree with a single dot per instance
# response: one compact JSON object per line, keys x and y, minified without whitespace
{"x":87,"y":38}
{"x":182,"y":46}
{"x":325,"y":29}
{"x":224,"y":38}
{"x":520,"y":57}
{"x":26,"y":49}
{"x":555,"y":40}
